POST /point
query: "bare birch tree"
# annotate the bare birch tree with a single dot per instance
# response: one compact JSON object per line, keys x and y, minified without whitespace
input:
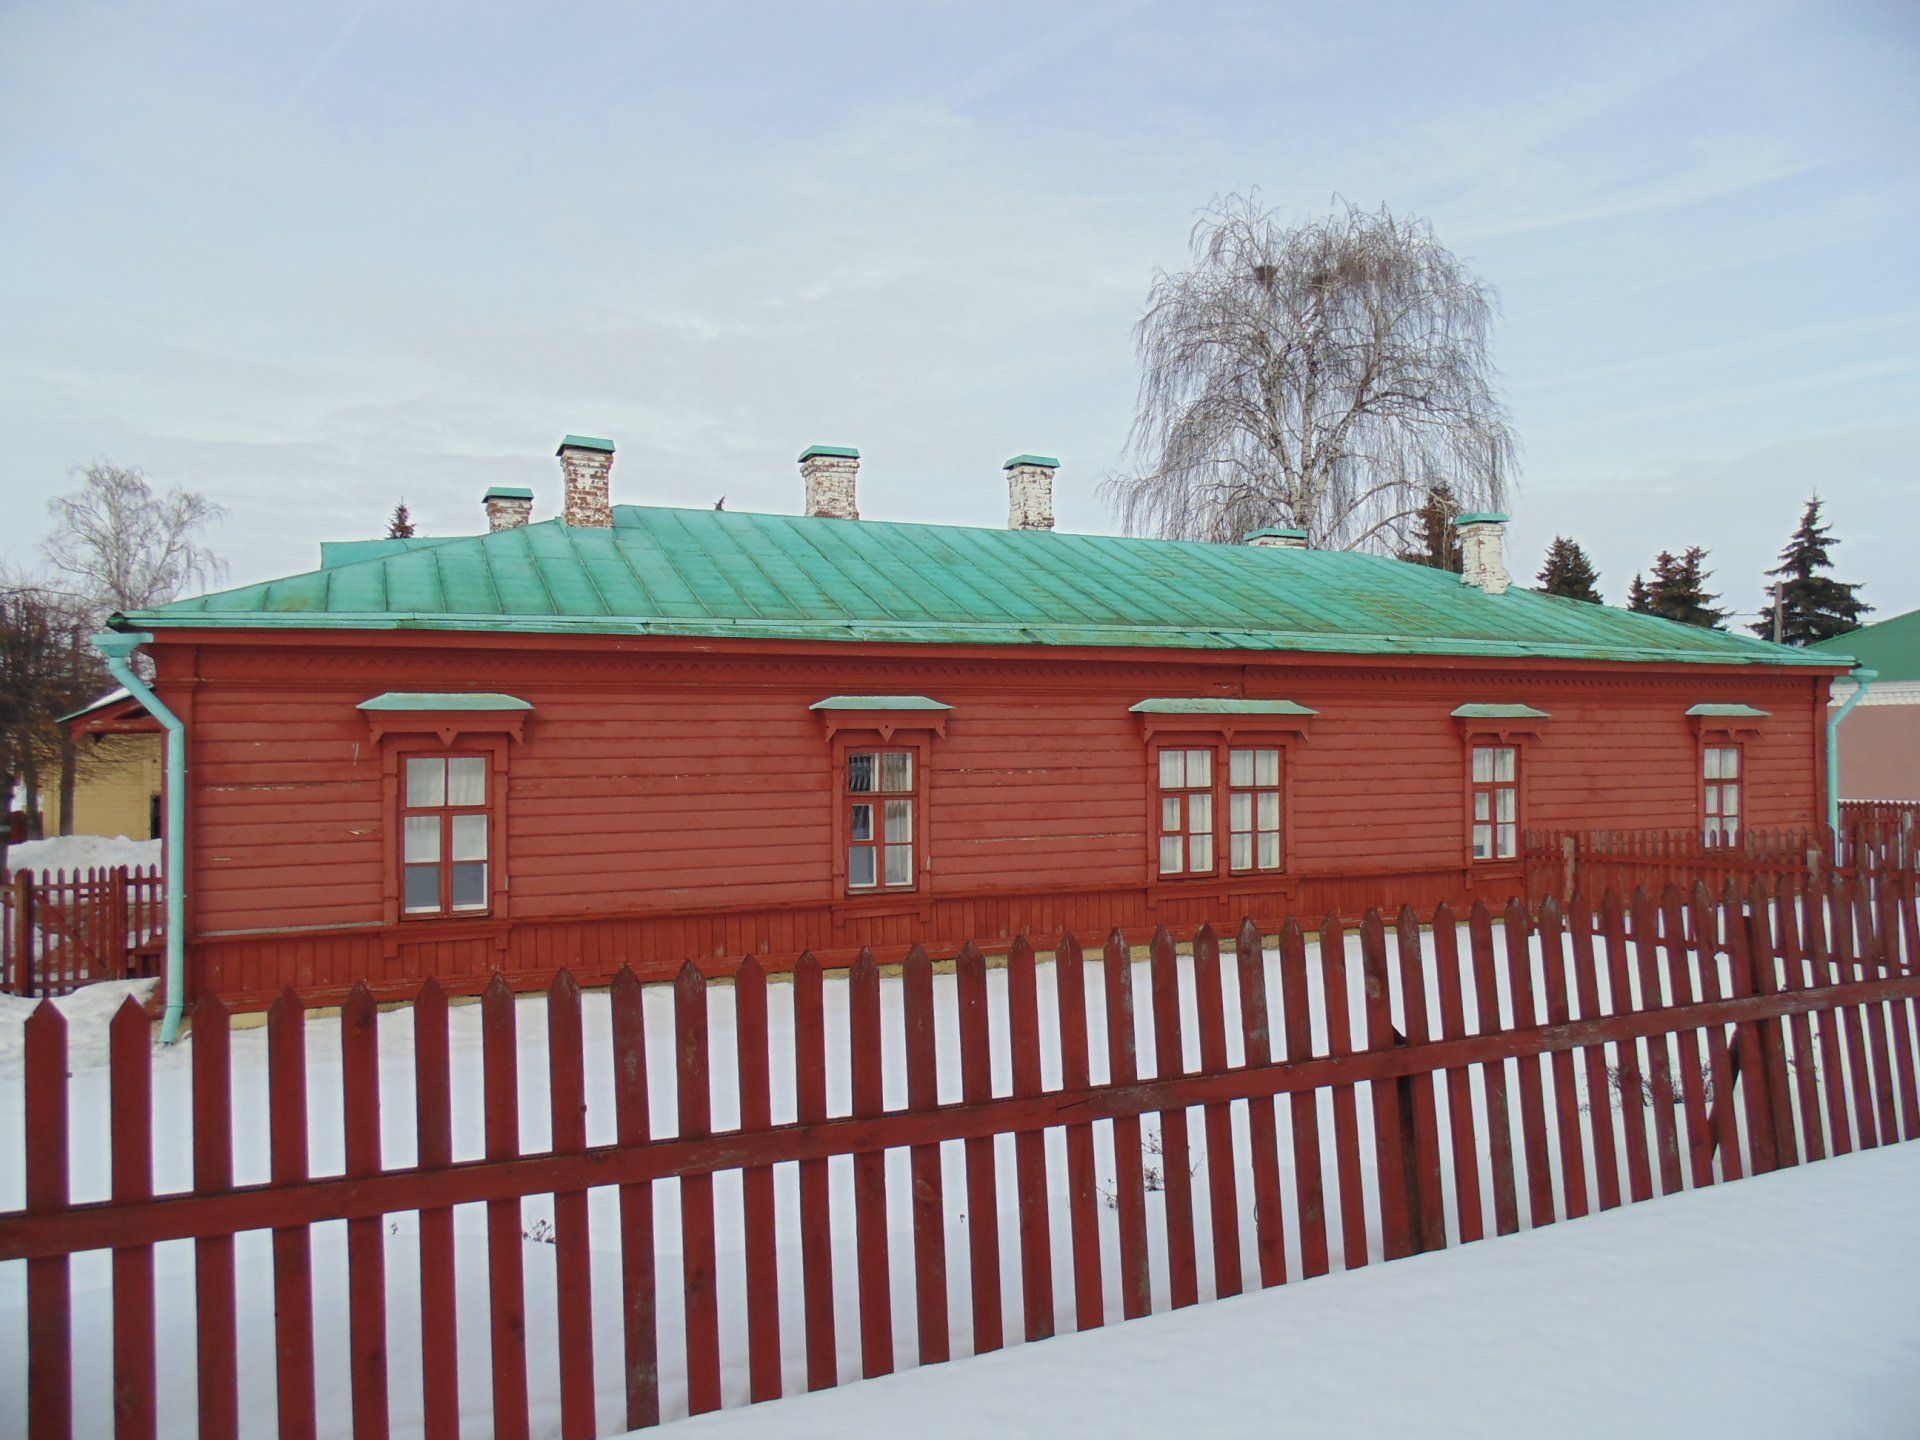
{"x":1326,"y":375}
{"x":125,"y":546}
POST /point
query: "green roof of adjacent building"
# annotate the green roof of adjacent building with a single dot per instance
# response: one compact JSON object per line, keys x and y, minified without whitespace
{"x":713,"y":573}
{"x":1889,"y":647}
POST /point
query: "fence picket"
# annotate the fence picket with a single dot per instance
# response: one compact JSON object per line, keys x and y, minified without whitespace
{"x":1755,"y":1088}
{"x":1493,"y":1073}
{"x":1629,"y":1083}
{"x":816,"y":1232}
{"x":1804,"y":1063}
{"x":1389,"y":1132}
{"x":1680,"y":983}
{"x":983,"y":1188}
{"x":217,"y":1380}
{"x":1517,"y":927}
{"x":1461,"y":1121}
{"x":1709,"y":922}
{"x":1586,"y":989}
{"x":1303,"y":1105}
{"x":1336,"y":994}
{"x":870,"y":1172}
{"x":1030,"y":1146}
{"x":929,"y":1201}
{"x":366,"y":1244}
{"x":1566,"y":1102}
{"x":1658,"y":1072}
{"x":1223,"y":1203}
{"x":1070,"y":975}
{"x":1129,"y":1174}
{"x":761,"y":1237}
{"x":1869,"y":958}
{"x":433,"y":1125}
{"x":1176,"y":1170}
{"x":573,"y":1270}
{"x":633,"y":1126}
{"x":130,"y":1070}
{"x":1262,"y":1131}
{"x":292,"y":1245}
{"x":698,"y":1262}
{"x":1766,"y":981}
{"x":49,"y":1281}
{"x":500,"y":1086}
{"x":1838,"y":963}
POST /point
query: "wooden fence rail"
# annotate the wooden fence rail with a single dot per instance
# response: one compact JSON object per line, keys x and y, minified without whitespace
{"x":1729,"y":1035}
{"x":59,"y":931}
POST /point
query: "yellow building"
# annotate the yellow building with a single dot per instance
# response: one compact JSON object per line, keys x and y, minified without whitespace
{"x":117,"y":782}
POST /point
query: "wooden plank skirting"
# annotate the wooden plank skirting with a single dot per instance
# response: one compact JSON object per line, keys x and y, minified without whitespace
{"x":1730,"y":1036}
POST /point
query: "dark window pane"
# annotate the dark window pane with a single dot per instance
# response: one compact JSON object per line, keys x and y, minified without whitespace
{"x":423,"y":888}
{"x":860,"y":774}
{"x":470,"y":885}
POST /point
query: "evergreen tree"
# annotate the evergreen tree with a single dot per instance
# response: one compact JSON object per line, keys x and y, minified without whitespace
{"x":400,"y":527}
{"x":1813,"y":607}
{"x":1679,"y":589}
{"x":1638,"y":600}
{"x":1436,"y":538}
{"x":1569,"y":572}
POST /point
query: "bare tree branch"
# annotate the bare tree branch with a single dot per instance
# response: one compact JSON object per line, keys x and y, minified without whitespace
{"x":1327,"y":375}
{"x":125,"y":547}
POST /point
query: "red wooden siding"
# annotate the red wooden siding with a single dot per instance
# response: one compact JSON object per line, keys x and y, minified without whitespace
{"x":674,"y":799}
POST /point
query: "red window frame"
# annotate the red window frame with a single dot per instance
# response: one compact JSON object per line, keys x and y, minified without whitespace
{"x":1485,"y":786}
{"x":881,"y":819}
{"x":1713,"y":789}
{"x":445,"y":827}
{"x":396,"y":749}
{"x":1172,"y":806}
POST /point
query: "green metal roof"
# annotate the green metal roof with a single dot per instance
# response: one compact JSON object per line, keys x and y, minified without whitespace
{"x":335,"y":553}
{"x":1276,"y":532}
{"x":1890,"y":647}
{"x":715,"y":573}
{"x":1481,"y":517}
{"x":508,"y":492}
{"x":878,"y":702}
{"x":1045,"y":462}
{"x":838,"y":452}
{"x":415,"y":700}
{"x":1212,"y":706}
{"x":1499,"y":712}
{"x":1728,"y":712}
{"x":584,"y":442}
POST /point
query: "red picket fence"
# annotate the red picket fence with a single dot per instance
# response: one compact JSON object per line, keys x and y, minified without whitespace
{"x":1731,"y":1036}
{"x":1888,"y":828}
{"x":60,"y":931}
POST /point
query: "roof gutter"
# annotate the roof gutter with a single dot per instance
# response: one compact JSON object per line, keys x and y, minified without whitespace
{"x":1861,"y":678}
{"x":118,"y":648}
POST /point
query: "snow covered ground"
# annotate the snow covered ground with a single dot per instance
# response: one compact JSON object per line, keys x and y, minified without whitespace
{"x":174,"y":1262}
{"x":82,"y":852}
{"x":1779,"y":1306}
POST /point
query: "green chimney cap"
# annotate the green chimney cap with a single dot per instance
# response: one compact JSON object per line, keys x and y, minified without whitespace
{"x":585,"y":442}
{"x":1275,"y":532}
{"x":1045,"y":462}
{"x":1481,"y":517}
{"x":837,"y":452}
{"x":507,"y":492}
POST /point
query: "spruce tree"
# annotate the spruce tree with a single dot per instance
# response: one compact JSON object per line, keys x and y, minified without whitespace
{"x":1813,"y":607}
{"x":1569,"y":572}
{"x":1679,"y":589}
{"x":1638,"y":600}
{"x":400,"y":527}
{"x":1436,"y":539}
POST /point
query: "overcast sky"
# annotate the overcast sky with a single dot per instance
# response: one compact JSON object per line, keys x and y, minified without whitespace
{"x":311,"y":258}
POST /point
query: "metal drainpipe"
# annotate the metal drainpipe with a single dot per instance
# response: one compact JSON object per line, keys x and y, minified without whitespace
{"x":1861,"y":678}
{"x":118,"y":649}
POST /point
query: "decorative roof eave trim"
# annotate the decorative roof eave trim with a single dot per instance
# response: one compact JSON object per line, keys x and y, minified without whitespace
{"x":1222,"y":715}
{"x":446,"y":714}
{"x":1503,"y":722}
{"x":887,"y":714}
{"x":1740,"y":722}
{"x":1499,"y":712}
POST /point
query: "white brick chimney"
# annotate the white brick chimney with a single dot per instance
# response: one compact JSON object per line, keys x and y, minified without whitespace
{"x":1030,"y":492}
{"x":587,"y":464}
{"x":829,"y":473}
{"x":508,"y":507}
{"x":1483,"y":545}
{"x":1278,"y":538}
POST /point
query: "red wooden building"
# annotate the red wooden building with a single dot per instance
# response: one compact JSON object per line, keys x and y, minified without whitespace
{"x":635,"y":734}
